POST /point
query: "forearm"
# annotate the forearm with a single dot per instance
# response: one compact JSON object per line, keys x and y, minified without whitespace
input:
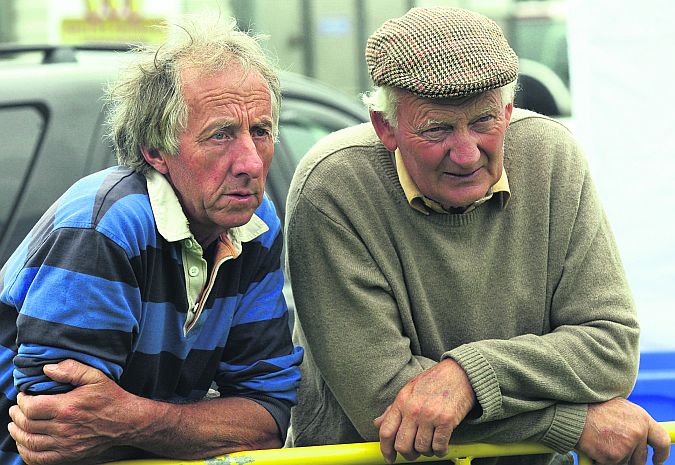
{"x":114,"y":454}
{"x":198,"y":430}
{"x":557,"y":426}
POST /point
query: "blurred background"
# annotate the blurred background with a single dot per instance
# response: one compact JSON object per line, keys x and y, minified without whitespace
{"x":612,"y":63}
{"x":603,"y":68}
{"x":323,"y":39}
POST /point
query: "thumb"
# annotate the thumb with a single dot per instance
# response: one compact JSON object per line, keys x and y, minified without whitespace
{"x":659,"y":439}
{"x":73,"y":372}
{"x":377,"y":422}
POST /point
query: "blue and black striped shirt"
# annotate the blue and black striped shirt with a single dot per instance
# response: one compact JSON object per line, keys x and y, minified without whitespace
{"x":112,"y":277}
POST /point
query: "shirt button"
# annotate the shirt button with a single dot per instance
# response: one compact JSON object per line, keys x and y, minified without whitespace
{"x":193,"y":271}
{"x":188,"y":243}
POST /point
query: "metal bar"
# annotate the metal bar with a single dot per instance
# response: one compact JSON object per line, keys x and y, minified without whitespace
{"x":307,"y":14}
{"x":361,"y":21}
{"x":367,"y":453}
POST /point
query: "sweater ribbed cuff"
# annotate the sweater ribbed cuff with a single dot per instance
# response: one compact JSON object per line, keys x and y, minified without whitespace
{"x":565,"y":430}
{"x":483,"y":379}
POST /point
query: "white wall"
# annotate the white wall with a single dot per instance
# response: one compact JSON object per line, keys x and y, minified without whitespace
{"x":622,"y":68}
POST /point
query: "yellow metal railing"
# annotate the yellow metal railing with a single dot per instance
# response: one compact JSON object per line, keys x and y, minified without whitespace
{"x":367,"y":453}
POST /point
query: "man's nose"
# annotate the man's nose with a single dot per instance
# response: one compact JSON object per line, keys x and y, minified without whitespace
{"x":464,"y":151}
{"x":247,"y":160}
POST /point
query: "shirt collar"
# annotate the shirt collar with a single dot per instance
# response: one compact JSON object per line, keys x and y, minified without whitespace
{"x":174,"y":226}
{"x":423,"y":204}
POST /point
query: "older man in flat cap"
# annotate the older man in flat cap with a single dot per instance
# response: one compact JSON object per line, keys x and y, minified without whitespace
{"x":453,"y":270}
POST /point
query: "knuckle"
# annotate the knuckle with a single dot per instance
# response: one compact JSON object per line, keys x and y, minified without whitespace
{"x":387,"y":433}
{"x":614,"y":455}
{"x":402,"y":446}
{"x":443,"y":432}
{"x":68,"y":412}
{"x":427,"y":411}
{"x":445,"y":419}
{"x":414,"y":410}
{"x":422,"y":447}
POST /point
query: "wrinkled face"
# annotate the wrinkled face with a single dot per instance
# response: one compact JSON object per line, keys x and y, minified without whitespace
{"x":224,"y":152}
{"x":453,"y":149}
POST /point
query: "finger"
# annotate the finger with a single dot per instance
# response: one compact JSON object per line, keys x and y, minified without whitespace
{"x":29,"y":441}
{"x":31,"y":426}
{"x":405,"y":439}
{"x":639,"y":456}
{"x":424,"y":438}
{"x":659,"y":439}
{"x":30,"y":456}
{"x":73,"y":372}
{"x":441,"y":439}
{"x":15,"y":413}
{"x":36,"y":407}
{"x":391,"y":420}
{"x":18,"y":418}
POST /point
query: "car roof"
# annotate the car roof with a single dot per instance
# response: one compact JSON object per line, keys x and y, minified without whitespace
{"x":87,"y":67}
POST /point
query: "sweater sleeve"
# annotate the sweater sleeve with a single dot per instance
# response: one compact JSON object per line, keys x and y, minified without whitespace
{"x":590,"y":351}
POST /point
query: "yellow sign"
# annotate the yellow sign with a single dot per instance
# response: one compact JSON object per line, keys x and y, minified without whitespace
{"x":112,"y":21}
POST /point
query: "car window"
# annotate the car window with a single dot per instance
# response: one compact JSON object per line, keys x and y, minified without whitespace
{"x":300,"y":134}
{"x":101,"y":151}
{"x":304,"y":122}
{"x":21,"y":129}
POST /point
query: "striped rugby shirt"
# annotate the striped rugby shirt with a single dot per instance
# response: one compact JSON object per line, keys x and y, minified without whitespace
{"x":102,"y":279}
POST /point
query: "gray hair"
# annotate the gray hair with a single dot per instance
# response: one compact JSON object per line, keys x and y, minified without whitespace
{"x":384,"y":99}
{"x":147,"y":108}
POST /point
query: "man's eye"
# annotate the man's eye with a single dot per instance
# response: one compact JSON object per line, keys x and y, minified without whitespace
{"x":485,"y":119}
{"x":436,"y":132}
{"x":260,"y":132}
{"x":219,"y":135}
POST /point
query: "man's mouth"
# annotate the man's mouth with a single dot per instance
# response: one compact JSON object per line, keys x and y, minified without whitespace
{"x":241,"y":193}
{"x":241,"y":196}
{"x":463,"y":175}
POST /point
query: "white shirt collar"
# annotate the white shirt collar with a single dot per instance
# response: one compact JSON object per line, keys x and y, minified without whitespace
{"x":174,"y":226}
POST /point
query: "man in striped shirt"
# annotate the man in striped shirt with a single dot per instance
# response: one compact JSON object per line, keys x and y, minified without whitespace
{"x":149,"y":286}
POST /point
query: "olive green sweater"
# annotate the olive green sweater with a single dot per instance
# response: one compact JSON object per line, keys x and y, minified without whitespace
{"x":531,"y":298}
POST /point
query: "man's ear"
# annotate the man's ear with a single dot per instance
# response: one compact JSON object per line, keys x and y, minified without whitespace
{"x":155,"y":158}
{"x":508,"y":110}
{"x":384,"y":130}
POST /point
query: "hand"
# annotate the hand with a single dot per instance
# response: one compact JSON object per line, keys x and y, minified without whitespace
{"x":618,"y":432}
{"x":425,"y":413}
{"x":74,"y":427}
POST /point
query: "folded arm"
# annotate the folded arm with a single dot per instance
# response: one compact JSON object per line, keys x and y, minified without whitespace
{"x":98,"y":417}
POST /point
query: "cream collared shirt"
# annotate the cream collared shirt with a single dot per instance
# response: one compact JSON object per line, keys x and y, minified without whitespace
{"x":173,"y":225}
{"x":423,"y":204}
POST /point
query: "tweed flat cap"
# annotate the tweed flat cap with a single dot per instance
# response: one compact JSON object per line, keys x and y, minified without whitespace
{"x":441,"y":52}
